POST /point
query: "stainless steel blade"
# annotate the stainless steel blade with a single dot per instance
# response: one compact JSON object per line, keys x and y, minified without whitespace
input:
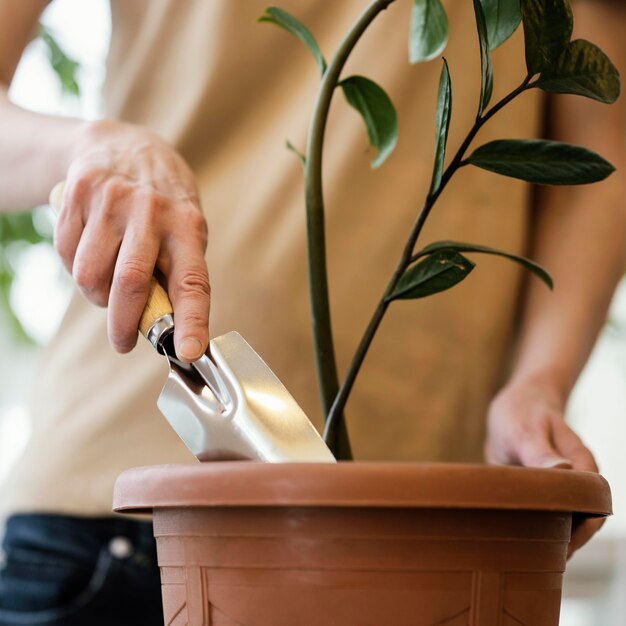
{"x":232,"y":406}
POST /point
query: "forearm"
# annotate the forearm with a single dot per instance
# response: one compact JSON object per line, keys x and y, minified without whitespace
{"x":35,"y":152}
{"x":582,"y":241}
{"x":580,"y":231}
{"x":35,"y":149}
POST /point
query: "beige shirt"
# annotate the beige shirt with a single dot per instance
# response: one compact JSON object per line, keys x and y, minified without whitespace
{"x":227,"y":92}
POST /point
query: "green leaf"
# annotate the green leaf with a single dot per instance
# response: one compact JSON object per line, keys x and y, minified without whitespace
{"x":472,"y":247}
{"x":377,"y":111}
{"x":542,"y":162}
{"x":444,"y":111}
{"x":297,"y":152}
{"x":582,"y":69}
{"x":502,"y":17}
{"x":64,"y":67}
{"x":547,"y":30}
{"x":428,"y":34}
{"x":274,"y":15}
{"x":486,"y":81}
{"x":439,"y":271}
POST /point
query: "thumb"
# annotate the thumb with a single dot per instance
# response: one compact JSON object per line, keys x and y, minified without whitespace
{"x":537,"y":451}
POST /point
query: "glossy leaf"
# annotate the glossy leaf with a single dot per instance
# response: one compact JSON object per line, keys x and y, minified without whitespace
{"x":297,"y":152}
{"x":377,"y":112}
{"x":547,"y":31}
{"x":486,"y":82}
{"x":540,"y":161}
{"x":428,"y":34}
{"x":472,"y":247}
{"x":274,"y":15}
{"x":437,"y":272}
{"x":502,"y":17}
{"x":582,"y":69}
{"x":444,"y":111}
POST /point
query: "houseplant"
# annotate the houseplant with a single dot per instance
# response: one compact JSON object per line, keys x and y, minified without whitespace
{"x":403,"y":544}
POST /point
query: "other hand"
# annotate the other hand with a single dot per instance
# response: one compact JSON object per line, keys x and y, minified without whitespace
{"x":526,"y":426}
{"x":131,"y":206}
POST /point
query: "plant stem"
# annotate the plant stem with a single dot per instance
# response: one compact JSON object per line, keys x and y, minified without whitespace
{"x":326,"y":365}
{"x":334,"y":420}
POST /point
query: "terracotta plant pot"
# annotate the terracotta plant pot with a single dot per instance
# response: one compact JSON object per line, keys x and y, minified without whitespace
{"x":247,"y":544}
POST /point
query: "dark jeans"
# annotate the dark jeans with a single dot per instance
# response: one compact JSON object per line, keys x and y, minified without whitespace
{"x":69,"y":571}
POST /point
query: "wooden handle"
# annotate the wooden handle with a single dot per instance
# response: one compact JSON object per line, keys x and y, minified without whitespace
{"x":157,"y":306}
{"x":56,"y":197}
{"x":158,"y":303}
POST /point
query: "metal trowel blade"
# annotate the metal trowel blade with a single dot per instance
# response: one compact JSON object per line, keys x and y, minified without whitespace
{"x":232,"y":406}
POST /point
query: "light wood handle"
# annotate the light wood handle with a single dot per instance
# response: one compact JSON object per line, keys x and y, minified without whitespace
{"x":157,"y":306}
{"x":158,"y":303}
{"x":56,"y":197}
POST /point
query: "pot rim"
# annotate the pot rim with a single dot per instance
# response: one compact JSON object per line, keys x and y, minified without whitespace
{"x":360,"y":484}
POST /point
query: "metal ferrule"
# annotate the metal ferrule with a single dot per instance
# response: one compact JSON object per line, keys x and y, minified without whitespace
{"x":160,"y":329}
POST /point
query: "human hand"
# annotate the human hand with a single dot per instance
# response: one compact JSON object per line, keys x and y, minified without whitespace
{"x":131,"y":206}
{"x":526,"y":426}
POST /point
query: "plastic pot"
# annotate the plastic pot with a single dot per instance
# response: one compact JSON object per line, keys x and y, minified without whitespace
{"x":360,"y":544}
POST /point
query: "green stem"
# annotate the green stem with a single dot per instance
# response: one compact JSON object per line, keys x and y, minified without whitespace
{"x":326,"y":366}
{"x":334,"y":420}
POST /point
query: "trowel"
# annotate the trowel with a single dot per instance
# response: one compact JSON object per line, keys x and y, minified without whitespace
{"x":228,"y":404}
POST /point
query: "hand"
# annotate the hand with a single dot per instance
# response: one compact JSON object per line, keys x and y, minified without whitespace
{"x":526,"y":426}
{"x":131,"y":205}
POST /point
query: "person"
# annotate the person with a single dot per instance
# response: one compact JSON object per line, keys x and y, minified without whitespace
{"x":198,"y":99}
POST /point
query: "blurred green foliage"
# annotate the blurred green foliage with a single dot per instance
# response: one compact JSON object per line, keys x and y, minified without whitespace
{"x":64,"y":66}
{"x":19,"y":230}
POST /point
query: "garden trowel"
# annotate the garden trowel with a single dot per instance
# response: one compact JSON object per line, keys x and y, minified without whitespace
{"x":228,"y":404}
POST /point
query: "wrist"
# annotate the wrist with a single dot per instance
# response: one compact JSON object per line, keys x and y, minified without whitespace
{"x":88,"y":134}
{"x":548,"y":383}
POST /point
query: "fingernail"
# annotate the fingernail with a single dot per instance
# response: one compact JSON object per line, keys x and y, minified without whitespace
{"x":557,"y":463}
{"x":190,"y":348}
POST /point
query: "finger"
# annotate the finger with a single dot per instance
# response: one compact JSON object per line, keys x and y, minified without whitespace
{"x":190,"y":293}
{"x":70,"y":221}
{"x":497,"y":451}
{"x":535,"y":449}
{"x":582,"y":532}
{"x":95,"y":259}
{"x":96,"y":255}
{"x":131,"y":282}
{"x":571,"y":446}
{"x":491,"y":455}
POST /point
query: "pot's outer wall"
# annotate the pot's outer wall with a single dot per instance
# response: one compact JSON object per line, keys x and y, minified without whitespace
{"x":361,"y":484}
{"x":301,"y":566}
{"x":361,"y":544}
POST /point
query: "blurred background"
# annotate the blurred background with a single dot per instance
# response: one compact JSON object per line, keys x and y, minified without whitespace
{"x":62,"y":72}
